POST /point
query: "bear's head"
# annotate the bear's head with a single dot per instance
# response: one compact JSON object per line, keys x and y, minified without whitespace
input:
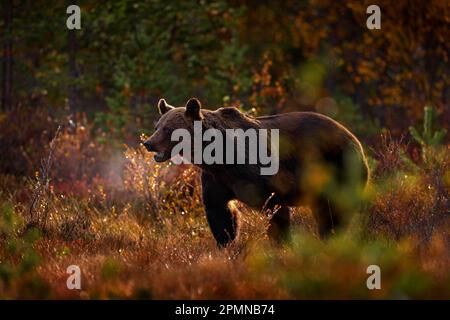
{"x":171,"y":119}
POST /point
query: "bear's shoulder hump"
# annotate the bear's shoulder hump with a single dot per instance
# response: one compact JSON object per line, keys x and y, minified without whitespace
{"x":229,"y":111}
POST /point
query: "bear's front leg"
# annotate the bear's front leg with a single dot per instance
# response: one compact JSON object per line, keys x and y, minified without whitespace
{"x":221,"y":218}
{"x":279,"y":224}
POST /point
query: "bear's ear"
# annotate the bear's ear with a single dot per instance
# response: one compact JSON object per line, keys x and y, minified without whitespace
{"x":193,"y":107}
{"x":163,"y":107}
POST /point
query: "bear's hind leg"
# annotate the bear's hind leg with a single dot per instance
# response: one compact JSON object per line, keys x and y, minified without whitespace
{"x":279,"y":224}
{"x":327,"y":216}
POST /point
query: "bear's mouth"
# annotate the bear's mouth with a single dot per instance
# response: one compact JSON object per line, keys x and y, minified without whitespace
{"x":161,"y":156}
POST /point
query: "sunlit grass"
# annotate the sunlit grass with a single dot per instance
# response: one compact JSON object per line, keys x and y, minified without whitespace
{"x":147,"y":237}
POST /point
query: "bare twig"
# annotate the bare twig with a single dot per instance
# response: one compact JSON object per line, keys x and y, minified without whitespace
{"x":39,"y":205}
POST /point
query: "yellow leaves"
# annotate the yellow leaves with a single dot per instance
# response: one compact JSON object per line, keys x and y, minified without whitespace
{"x":98,"y":89}
{"x":264,"y":77}
{"x":3,"y":117}
{"x":264,"y":88}
{"x":447,"y":178}
{"x":316,"y":178}
{"x":126,"y":91}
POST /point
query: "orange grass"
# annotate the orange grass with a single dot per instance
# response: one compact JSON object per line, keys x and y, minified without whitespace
{"x":137,"y":230}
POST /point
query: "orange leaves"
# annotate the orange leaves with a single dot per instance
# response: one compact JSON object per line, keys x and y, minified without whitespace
{"x":265,"y":91}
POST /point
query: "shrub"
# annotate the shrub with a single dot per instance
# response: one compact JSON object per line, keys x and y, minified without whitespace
{"x":410,"y":200}
{"x":25,"y":134}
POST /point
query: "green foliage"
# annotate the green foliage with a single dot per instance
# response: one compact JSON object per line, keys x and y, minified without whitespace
{"x":19,"y":258}
{"x":352,"y":116}
{"x":179,"y":50}
{"x":310,"y":268}
{"x":110,"y":269}
{"x":429,"y":138}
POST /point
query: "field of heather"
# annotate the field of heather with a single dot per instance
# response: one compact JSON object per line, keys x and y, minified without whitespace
{"x":137,"y":229}
{"x":87,"y":213}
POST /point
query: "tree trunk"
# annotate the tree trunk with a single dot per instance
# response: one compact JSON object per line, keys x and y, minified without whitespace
{"x":6,"y":103}
{"x":73,"y":72}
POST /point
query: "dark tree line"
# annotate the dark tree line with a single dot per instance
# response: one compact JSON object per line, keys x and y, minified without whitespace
{"x":264,"y":54}
{"x":7,"y":66}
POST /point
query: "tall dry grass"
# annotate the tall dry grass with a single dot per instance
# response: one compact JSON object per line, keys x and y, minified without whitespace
{"x":137,"y":230}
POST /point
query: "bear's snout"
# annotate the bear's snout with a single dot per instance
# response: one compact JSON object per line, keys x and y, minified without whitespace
{"x":148,"y":145}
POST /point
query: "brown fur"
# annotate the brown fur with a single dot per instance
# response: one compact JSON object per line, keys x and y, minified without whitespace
{"x":314,"y":154}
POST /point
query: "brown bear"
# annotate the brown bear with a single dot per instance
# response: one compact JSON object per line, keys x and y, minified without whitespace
{"x":321,"y":165}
